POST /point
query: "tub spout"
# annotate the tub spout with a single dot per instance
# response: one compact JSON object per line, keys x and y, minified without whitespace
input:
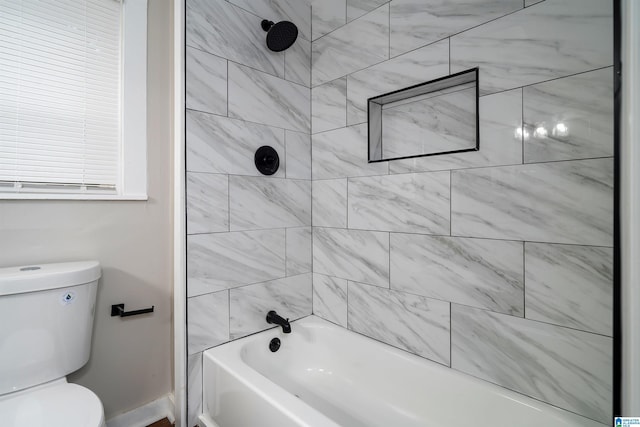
{"x":274,"y":318}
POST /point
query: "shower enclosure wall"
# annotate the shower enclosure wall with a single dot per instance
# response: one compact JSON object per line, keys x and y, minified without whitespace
{"x":495,"y":263}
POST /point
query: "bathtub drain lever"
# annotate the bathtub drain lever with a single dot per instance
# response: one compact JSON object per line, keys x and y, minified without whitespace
{"x":274,"y":318}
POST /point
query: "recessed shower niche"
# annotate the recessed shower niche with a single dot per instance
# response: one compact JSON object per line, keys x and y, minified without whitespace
{"x":436,"y":117}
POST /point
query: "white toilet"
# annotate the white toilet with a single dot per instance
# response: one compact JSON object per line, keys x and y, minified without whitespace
{"x":46,"y":322}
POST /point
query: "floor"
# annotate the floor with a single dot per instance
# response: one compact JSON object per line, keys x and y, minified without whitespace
{"x":162,"y":423}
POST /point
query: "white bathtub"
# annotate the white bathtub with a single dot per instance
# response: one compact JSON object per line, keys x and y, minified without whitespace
{"x":326,"y":376}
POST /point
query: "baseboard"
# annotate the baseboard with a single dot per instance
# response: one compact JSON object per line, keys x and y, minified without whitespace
{"x":145,"y":414}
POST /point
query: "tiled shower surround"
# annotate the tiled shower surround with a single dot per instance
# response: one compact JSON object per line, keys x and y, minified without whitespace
{"x":496,"y":263}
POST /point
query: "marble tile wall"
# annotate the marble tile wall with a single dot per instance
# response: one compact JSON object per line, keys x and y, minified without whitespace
{"x":249,"y":238}
{"x":496,"y":263}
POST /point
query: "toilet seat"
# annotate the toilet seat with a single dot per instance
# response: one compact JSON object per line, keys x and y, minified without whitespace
{"x":56,"y":404}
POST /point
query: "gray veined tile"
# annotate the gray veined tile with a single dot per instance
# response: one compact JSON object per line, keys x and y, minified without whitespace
{"x":564,"y":367}
{"x":208,"y":320}
{"x":416,"y":23}
{"x":206,"y":82}
{"x":296,"y":11}
{"x":329,"y":106}
{"x":569,"y":118}
{"x":227,"y":260}
{"x":207,"y":203}
{"x":261,"y":98}
{"x":553,"y":39}
{"x":330,"y":298}
{"x":357,"y":45}
{"x":570,"y":286}
{"x":326,"y":16}
{"x":220,"y":28}
{"x":329,"y":206}
{"x":559,"y":202}
{"x":500,"y":117}
{"x":298,"y":250}
{"x":357,"y":8}
{"x":342,"y":153}
{"x":441,"y":123}
{"x":221,"y":145}
{"x":419,"y":66}
{"x":481,"y":273}
{"x":290,"y":297}
{"x":528,"y":3}
{"x":410,"y":202}
{"x":357,"y":255}
{"x":413,"y":323}
{"x":194,"y":388}
{"x":258,"y":202}
{"x":298,"y":155}
{"x":297,"y":62}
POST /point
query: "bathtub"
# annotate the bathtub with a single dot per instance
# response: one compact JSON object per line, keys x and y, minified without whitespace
{"x":326,"y":376}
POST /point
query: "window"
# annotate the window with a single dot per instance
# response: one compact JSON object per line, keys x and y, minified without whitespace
{"x":73,"y":99}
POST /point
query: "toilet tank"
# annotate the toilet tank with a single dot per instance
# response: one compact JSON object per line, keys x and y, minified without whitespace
{"x":46,"y":321}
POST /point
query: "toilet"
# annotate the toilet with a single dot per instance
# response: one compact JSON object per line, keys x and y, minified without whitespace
{"x":46,"y":322}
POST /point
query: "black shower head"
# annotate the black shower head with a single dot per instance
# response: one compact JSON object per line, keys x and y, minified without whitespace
{"x":280,"y":36}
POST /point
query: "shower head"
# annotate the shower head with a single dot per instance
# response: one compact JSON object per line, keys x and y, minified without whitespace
{"x":280,"y":36}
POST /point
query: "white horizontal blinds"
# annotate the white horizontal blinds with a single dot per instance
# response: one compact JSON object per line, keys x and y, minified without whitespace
{"x":60,"y":92}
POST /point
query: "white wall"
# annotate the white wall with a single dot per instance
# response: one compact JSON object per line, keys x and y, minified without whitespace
{"x":131,"y":359}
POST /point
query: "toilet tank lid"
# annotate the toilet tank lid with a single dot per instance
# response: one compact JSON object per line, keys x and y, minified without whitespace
{"x":40,"y":277}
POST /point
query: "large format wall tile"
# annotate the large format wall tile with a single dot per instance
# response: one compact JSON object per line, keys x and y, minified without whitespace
{"x":208,"y":319}
{"x":342,"y":153}
{"x":357,"y":8}
{"x":570,"y":118}
{"x":298,"y":154}
{"x":560,"y":202}
{"x":361,"y":256}
{"x":221,"y":145}
{"x":226,"y":260}
{"x":206,"y":82}
{"x":476,"y":272}
{"x":327,"y":15}
{"x":500,"y":117}
{"x":553,"y":39}
{"x":329,"y":207}
{"x":330,"y":298}
{"x":357,"y":45}
{"x":570,"y":286}
{"x":416,"y":23}
{"x":420,"y":66}
{"x":262,"y":98}
{"x":218,"y":27}
{"x":256,"y":202}
{"x":299,"y":255}
{"x":410,"y":202}
{"x":296,"y":11}
{"x":207,"y":203}
{"x":329,"y":106}
{"x":417,"y":324}
{"x":297,"y":63}
{"x":564,"y":367}
{"x":249,"y":305}
{"x":194,"y":388}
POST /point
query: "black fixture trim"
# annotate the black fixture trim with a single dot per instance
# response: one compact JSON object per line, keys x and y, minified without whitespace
{"x":266,"y":24}
{"x":276,"y":319}
{"x":118,"y":310}
{"x":267,"y":160}
{"x":274,"y":345}
{"x":617,"y":272}
{"x":475,"y":70}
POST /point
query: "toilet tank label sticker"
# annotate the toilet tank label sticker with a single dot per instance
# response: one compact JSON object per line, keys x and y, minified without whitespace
{"x":67,"y":297}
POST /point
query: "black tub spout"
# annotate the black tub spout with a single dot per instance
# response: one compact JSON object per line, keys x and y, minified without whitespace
{"x":274,"y":318}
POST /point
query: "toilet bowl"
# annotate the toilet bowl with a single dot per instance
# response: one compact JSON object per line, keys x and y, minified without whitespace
{"x":47,"y":316}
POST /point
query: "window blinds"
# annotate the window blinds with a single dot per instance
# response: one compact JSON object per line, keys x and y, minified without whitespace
{"x":60,"y":93}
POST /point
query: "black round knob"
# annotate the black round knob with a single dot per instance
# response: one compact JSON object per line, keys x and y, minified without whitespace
{"x":267,"y":160}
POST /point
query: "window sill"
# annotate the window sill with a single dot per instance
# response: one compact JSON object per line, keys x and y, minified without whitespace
{"x":44,"y":196}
